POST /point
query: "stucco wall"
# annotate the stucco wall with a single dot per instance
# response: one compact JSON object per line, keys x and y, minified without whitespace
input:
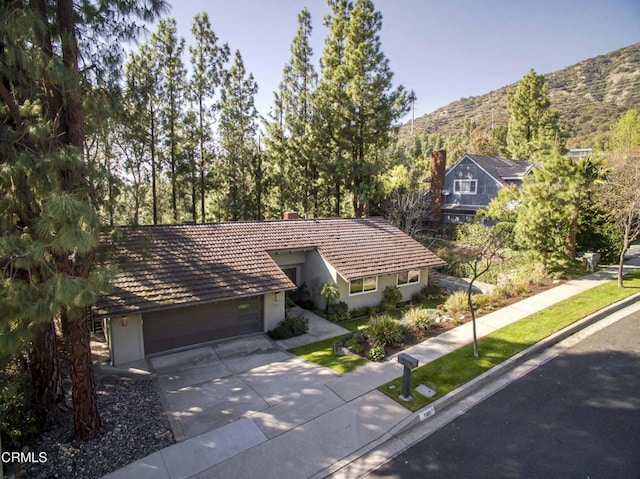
{"x":273,"y":310}
{"x":294,"y":259}
{"x":126,"y":342}
{"x":374,"y":298}
{"x":316,"y":271}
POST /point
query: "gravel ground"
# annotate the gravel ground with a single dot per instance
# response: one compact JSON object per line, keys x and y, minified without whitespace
{"x":134,"y":425}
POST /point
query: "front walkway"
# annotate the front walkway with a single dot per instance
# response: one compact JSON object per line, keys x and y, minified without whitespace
{"x":319,"y":330}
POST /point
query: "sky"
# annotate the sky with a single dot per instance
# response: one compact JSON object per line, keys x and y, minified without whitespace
{"x":443,"y":50}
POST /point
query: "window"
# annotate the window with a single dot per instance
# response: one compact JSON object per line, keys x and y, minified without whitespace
{"x":465,"y":187}
{"x":363,"y":285}
{"x":408,"y":277}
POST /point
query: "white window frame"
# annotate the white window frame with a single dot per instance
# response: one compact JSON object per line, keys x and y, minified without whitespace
{"x":363,"y":291}
{"x":458,"y":187}
{"x":408,"y":282}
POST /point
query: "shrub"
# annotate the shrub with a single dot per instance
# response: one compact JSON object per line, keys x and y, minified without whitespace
{"x":391,"y":296}
{"x":290,"y":326}
{"x":419,"y":318}
{"x":384,"y":330}
{"x":377,"y":354}
{"x":359,"y":312}
{"x":481,"y":301}
{"x":456,"y":303}
{"x":281,"y":332}
{"x":298,"y":324}
{"x":18,"y":410}
{"x":356,"y":342}
{"x":521,"y":289}
{"x":339,"y":312}
{"x":417,"y":298}
{"x":372,"y":310}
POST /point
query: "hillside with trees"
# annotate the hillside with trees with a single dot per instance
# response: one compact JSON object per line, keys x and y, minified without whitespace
{"x":590,"y":96}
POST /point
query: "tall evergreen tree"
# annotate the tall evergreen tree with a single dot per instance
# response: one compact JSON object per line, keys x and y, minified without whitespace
{"x":290,"y":133}
{"x":299,"y":82}
{"x":237,"y":131}
{"x":141,"y":121}
{"x":545,"y":216}
{"x":533,"y":131}
{"x":169,"y":48}
{"x":370,"y":105}
{"x":330,"y":126}
{"x":50,"y":52}
{"x":276,"y":155}
{"x":207,"y":62}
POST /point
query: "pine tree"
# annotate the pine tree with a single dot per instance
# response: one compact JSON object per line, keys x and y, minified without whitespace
{"x":545,"y":215}
{"x":237,"y":131}
{"x":288,"y":141}
{"x":169,"y":49}
{"x":354,"y":62}
{"x":49,"y":228}
{"x":330,"y":126}
{"x":276,"y":156}
{"x":207,"y":61}
{"x":533,"y":132}
{"x":141,"y":123}
{"x":298,"y":84}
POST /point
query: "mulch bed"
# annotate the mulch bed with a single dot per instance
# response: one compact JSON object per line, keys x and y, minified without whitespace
{"x":416,"y":337}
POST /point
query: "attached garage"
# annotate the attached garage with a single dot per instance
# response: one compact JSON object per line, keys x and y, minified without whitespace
{"x":176,"y":328}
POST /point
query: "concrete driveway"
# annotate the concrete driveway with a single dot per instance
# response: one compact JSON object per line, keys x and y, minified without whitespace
{"x":210,"y":386}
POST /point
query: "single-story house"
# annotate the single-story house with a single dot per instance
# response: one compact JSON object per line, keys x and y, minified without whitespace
{"x":182,"y":285}
{"x":474,"y":181}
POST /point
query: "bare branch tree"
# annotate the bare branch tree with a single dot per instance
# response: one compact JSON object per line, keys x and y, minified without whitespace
{"x":408,"y":210}
{"x":620,"y":198}
{"x":484,"y":247}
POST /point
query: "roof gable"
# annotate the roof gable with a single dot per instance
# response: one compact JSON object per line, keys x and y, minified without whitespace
{"x":502,"y":168}
{"x":179,"y":264}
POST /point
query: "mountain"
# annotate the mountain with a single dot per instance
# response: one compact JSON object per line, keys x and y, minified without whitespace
{"x":590,"y":95}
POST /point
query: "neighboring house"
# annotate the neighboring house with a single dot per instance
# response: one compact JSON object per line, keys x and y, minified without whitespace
{"x":474,"y":181}
{"x":577,"y":153}
{"x":188,"y":284}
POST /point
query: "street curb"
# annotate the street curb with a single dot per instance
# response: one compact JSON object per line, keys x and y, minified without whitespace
{"x":405,"y":426}
{"x":468,"y":388}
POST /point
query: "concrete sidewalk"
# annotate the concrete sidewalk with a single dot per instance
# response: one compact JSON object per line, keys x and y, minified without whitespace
{"x":314,"y":433}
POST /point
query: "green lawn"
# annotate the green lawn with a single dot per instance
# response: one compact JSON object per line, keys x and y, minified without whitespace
{"x":459,"y":367}
{"x":322,"y":352}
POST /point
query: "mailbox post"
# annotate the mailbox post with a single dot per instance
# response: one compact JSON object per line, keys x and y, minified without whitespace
{"x":409,"y":363}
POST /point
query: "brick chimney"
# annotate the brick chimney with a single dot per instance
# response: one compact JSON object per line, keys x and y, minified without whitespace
{"x":438,"y":166}
{"x":291,"y":215}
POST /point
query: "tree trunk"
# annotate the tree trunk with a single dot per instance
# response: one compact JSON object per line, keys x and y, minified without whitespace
{"x":86,"y":418}
{"x":570,"y":247}
{"x":473,"y":318}
{"x":625,"y":248}
{"x":45,"y":374}
{"x":154,"y":186}
{"x":85,"y":405}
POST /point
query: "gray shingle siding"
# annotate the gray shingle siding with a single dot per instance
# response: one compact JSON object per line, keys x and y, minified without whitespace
{"x":489,"y":175}
{"x":486,"y":186}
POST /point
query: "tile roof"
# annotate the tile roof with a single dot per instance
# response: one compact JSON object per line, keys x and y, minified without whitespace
{"x":503,"y":168}
{"x":168,"y":266}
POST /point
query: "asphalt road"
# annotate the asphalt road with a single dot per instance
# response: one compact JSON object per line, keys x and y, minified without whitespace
{"x":577,"y":416}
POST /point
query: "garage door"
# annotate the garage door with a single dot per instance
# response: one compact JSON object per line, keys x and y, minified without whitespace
{"x":176,"y":328}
